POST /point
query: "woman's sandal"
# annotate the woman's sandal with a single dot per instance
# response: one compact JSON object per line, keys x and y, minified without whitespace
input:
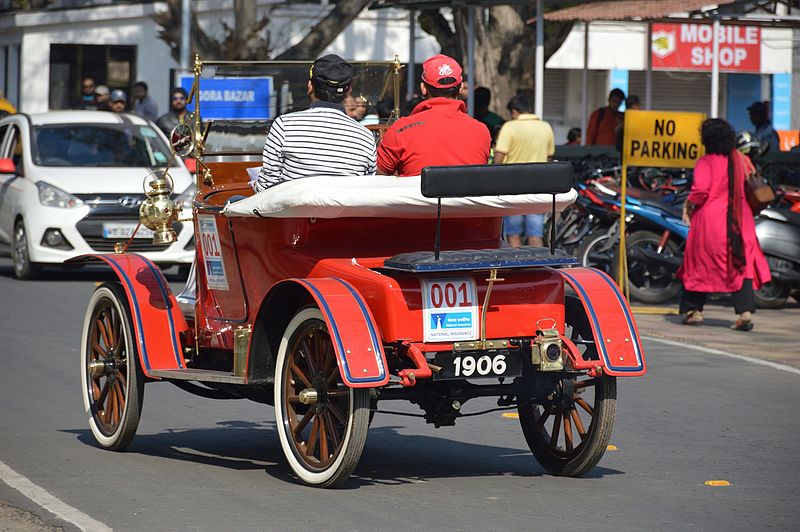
{"x":693,"y":317}
{"x":743,"y":323}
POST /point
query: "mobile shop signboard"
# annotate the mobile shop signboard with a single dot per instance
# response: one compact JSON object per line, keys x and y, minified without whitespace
{"x":691,"y":47}
{"x":232,"y":98}
{"x":662,"y":139}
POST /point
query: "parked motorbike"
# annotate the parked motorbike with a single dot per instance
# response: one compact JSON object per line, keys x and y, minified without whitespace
{"x":778,"y":232}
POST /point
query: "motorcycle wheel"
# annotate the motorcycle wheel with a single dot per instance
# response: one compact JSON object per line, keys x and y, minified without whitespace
{"x":772,"y":295}
{"x":649,"y":283}
{"x":591,"y":255}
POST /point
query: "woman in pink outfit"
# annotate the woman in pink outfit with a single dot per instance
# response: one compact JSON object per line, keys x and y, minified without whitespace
{"x":722,"y":252}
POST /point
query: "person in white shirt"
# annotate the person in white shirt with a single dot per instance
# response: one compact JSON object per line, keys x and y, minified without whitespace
{"x":321,"y":140}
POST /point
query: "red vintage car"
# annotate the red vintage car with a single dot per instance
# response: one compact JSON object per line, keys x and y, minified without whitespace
{"x":327,"y":297}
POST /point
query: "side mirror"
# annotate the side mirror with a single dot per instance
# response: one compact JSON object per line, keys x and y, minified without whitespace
{"x":7,"y":166}
{"x":182,"y":140}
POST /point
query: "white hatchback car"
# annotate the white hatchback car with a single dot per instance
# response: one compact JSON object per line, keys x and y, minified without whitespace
{"x":71,"y":183}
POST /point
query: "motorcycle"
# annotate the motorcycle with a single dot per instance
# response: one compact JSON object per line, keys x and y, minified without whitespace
{"x":778,"y":232}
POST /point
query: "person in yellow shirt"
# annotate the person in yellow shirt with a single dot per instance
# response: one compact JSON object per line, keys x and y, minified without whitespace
{"x":524,"y":139}
{"x":6,"y":108}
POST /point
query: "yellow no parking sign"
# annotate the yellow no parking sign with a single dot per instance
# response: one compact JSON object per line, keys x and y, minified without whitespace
{"x":660,"y":139}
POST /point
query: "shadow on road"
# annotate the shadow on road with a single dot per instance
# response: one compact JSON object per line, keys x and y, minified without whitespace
{"x":389,"y":459}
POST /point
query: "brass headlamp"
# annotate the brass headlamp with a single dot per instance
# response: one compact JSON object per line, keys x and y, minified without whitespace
{"x":158,"y":212}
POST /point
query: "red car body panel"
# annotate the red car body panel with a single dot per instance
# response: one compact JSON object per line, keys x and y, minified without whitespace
{"x":157,"y":320}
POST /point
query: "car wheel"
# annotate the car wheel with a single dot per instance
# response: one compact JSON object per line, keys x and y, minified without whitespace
{"x":20,"y":254}
{"x":322,"y":424}
{"x":112,"y":381}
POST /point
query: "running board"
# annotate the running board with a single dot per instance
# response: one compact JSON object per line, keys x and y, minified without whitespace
{"x":200,"y":375}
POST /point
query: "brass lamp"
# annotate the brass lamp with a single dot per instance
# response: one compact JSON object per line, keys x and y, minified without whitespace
{"x":158,"y":212}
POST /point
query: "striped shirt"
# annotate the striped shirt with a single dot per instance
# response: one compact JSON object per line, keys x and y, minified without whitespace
{"x":321,"y":140}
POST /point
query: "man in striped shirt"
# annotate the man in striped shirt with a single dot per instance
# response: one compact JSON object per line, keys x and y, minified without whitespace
{"x":321,"y":140}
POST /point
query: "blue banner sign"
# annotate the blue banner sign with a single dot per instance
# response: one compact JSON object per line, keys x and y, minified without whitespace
{"x":232,"y":98}
{"x":782,"y":101}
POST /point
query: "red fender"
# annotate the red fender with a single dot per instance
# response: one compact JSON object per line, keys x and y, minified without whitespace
{"x":356,"y":340}
{"x":157,"y":319}
{"x":612,"y":323}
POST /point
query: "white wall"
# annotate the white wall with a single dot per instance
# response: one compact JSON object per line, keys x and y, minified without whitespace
{"x":375,"y":35}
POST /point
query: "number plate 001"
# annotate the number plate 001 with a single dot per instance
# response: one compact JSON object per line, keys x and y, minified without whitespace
{"x":477,"y":365}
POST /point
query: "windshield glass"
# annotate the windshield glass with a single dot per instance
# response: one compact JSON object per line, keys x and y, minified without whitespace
{"x":113,"y":145}
{"x":241,"y":100}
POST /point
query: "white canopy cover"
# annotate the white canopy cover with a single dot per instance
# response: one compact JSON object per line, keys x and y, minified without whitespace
{"x":376,"y":196}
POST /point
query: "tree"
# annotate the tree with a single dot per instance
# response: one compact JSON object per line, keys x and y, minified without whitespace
{"x":248,"y":39}
{"x":504,"y":44}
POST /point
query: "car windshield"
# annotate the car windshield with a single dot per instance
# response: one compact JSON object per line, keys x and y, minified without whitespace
{"x":241,"y":100}
{"x":113,"y":145}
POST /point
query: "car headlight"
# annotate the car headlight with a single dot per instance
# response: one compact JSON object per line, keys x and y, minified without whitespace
{"x":51,"y":196}
{"x":186,"y":198}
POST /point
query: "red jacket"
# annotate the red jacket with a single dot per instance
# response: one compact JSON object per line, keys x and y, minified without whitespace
{"x":437,"y":133}
{"x":603,"y":126}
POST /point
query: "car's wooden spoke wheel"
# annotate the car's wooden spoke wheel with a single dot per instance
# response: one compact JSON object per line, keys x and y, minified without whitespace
{"x":321,"y":422}
{"x":569,"y":434}
{"x":112,"y":383}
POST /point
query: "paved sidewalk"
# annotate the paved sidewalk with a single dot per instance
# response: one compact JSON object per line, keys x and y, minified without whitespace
{"x":775,"y":337}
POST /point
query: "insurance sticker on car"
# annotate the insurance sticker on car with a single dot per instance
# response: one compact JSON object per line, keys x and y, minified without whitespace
{"x":216,"y":278}
{"x":125,"y":230}
{"x":450,"y":309}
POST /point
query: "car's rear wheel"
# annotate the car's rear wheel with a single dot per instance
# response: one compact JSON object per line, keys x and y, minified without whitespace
{"x":111,"y":378}
{"x":569,"y":434}
{"x":20,"y":254}
{"x":322,"y":424}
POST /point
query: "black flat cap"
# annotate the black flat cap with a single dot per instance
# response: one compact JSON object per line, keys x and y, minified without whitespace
{"x":333,"y":72}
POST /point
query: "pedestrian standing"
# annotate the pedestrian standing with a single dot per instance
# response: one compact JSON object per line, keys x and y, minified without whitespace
{"x":604,"y":122}
{"x":765,"y":133}
{"x":119,"y":100}
{"x":87,"y":99}
{"x":722,"y":252}
{"x":177,"y":112}
{"x":144,"y":105}
{"x":102,"y":95}
{"x":525,"y":139}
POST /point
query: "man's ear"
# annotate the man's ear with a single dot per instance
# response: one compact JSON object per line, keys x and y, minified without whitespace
{"x":423,"y":90}
{"x":310,"y":88}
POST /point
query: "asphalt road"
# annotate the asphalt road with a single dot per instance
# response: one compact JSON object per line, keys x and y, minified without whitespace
{"x":201,"y":464}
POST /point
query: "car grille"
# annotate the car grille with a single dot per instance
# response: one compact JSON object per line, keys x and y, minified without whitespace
{"x":91,"y":229}
{"x":138,"y":244}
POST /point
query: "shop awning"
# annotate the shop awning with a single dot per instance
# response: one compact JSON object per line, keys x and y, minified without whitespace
{"x":774,"y":13}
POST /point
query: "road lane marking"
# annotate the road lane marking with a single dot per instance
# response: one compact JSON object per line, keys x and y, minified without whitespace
{"x":50,"y":502}
{"x":752,"y":360}
{"x":611,"y":448}
{"x":717,"y":483}
{"x":510,"y":415}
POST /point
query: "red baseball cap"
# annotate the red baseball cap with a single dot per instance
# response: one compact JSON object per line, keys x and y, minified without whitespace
{"x":441,"y":68}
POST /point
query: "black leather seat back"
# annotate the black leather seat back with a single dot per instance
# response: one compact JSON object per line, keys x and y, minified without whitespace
{"x":496,"y":179}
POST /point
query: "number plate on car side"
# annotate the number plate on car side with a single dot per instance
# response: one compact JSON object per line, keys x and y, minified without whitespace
{"x":477,"y":365}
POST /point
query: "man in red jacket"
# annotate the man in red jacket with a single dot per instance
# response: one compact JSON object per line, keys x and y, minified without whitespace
{"x":438,"y":132}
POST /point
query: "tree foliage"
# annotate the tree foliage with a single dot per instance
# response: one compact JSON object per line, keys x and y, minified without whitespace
{"x":249,"y":38}
{"x":504,"y":47}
